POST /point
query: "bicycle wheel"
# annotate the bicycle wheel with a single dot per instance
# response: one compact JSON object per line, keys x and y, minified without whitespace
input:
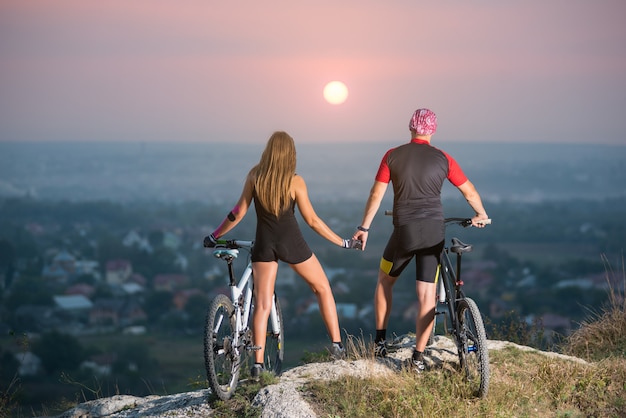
{"x":474,"y":354}
{"x":220,"y":358}
{"x":274,"y":346}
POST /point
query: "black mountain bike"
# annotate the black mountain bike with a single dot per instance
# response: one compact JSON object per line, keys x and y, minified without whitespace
{"x":462,"y":318}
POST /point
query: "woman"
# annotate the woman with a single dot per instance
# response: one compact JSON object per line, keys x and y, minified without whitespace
{"x":276,"y":189}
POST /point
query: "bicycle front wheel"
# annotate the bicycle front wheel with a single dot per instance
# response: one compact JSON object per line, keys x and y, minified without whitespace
{"x":221,"y":359}
{"x":274,"y":347}
{"x":474,"y":354}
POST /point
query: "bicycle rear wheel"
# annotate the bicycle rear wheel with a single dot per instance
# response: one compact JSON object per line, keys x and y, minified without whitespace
{"x":473,"y":354}
{"x":274,"y":346}
{"x":220,"y":358}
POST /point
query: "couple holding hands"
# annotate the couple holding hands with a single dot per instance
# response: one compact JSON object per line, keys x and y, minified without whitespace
{"x":417,"y":171}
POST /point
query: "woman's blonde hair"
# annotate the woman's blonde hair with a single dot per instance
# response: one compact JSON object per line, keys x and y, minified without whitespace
{"x":274,"y":172}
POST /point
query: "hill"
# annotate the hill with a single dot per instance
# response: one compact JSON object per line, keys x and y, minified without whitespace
{"x":552,"y":385}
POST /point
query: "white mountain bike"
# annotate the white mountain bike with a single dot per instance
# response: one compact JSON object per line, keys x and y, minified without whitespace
{"x":228,"y":333}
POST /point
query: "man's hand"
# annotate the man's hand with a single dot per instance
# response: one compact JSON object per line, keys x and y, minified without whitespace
{"x":480,"y":221}
{"x":362,"y":237}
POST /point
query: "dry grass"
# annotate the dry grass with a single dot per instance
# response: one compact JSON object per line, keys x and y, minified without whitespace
{"x":604,"y":334}
{"x":523,"y":384}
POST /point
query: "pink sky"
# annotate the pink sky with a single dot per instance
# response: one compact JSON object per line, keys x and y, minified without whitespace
{"x":155,"y":70}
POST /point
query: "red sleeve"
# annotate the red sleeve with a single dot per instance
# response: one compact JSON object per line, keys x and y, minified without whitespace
{"x":455,"y":174}
{"x":383,"y":174}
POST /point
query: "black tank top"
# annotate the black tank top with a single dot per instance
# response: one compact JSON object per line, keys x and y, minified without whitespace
{"x":278,"y":238}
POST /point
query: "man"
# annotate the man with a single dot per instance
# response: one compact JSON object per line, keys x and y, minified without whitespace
{"x":417,"y":171}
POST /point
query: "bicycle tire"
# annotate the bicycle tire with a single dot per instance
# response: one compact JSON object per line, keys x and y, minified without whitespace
{"x":274,"y":343}
{"x":473,"y":352}
{"x":220,"y":360}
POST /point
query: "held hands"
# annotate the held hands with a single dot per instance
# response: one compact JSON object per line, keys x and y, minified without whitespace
{"x":352,"y":244}
{"x":360,"y":236}
{"x":210,"y":241}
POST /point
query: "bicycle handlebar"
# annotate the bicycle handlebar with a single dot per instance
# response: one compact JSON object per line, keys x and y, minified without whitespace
{"x":464,"y":222}
{"x":228,"y":243}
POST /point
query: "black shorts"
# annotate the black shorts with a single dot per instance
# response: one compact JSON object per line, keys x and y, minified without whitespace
{"x":290,"y":248}
{"x":422,"y":239}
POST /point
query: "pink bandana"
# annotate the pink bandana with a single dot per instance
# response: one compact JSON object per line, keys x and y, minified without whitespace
{"x":424,"y":122}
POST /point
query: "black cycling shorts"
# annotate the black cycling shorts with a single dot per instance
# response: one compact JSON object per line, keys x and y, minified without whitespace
{"x":422,"y":239}
{"x":289,"y":247}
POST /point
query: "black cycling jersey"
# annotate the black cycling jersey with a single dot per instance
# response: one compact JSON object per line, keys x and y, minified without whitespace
{"x":417,"y":171}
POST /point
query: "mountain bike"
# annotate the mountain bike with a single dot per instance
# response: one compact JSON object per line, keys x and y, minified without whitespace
{"x":462,"y":318}
{"x":227,"y":331}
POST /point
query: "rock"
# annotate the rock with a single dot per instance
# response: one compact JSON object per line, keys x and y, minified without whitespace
{"x":283,"y":399}
{"x":190,"y":404}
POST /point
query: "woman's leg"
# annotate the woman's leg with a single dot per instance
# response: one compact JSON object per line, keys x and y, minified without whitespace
{"x":264,"y":274}
{"x":312,"y":272}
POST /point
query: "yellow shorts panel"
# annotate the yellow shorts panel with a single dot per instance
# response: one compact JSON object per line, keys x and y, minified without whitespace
{"x":385,"y":265}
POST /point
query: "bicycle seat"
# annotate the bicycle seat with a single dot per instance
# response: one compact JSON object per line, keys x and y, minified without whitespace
{"x":225,"y":253}
{"x":459,"y":246}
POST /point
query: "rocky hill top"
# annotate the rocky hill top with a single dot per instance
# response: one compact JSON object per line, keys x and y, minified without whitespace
{"x":283,"y":399}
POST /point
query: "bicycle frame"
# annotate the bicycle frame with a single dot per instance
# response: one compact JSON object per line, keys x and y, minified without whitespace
{"x":242,"y":308}
{"x":449,"y":278}
{"x":242,"y":293}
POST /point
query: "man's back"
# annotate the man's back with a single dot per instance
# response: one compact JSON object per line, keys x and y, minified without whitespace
{"x":417,"y":171}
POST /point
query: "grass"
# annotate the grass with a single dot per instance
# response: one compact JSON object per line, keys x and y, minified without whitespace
{"x":523,"y":384}
{"x":604,"y":333}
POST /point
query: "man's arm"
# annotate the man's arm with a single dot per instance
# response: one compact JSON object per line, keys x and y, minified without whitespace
{"x":473,"y":198}
{"x":371,"y":207}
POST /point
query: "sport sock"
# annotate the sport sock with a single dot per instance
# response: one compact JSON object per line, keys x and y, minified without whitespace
{"x":381,"y":335}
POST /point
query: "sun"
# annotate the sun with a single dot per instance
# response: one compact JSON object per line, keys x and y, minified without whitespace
{"x":335,"y":92}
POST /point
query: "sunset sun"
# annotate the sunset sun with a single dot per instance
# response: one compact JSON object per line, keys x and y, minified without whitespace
{"x":335,"y":92}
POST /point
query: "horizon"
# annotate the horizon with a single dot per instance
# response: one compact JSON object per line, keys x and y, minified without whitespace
{"x":436,"y":142}
{"x":176,"y":171}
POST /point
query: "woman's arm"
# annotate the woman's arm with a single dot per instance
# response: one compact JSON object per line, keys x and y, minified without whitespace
{"x":239,"y":210}
{"x":308,"y":213}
